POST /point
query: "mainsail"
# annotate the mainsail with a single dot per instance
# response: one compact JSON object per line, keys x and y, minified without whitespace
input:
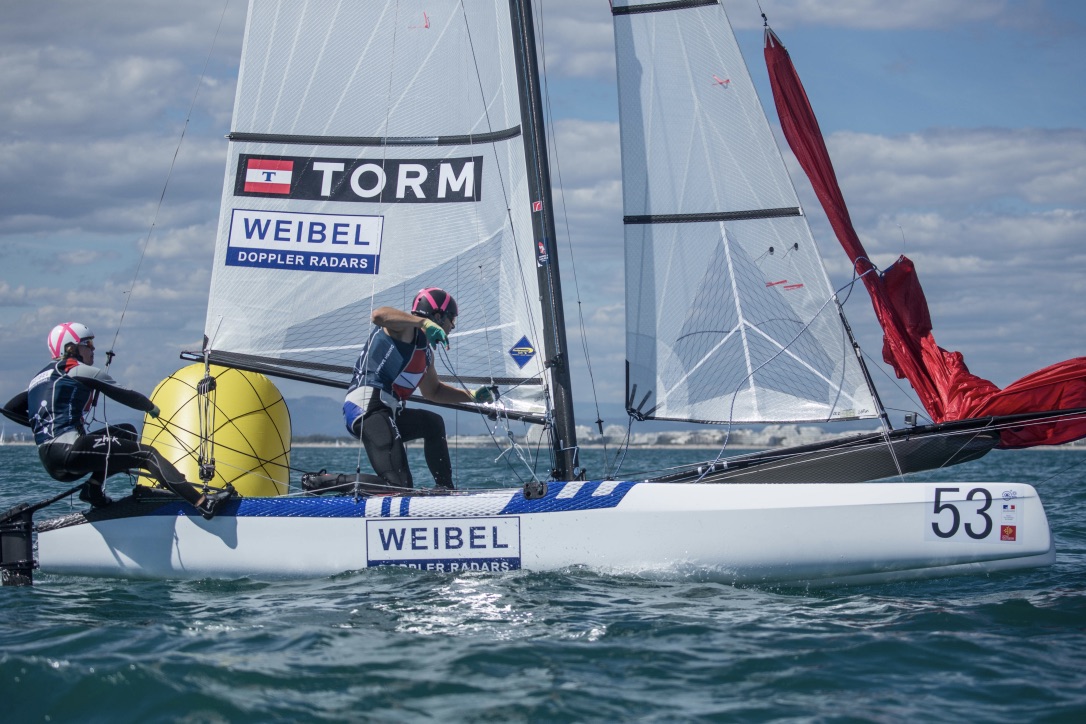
{"x":372,"y":155}
{"x":730,"y":313}
{"x":945,"y":386}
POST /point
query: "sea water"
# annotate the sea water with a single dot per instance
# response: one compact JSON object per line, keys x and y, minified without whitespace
{"x":400,"y":645}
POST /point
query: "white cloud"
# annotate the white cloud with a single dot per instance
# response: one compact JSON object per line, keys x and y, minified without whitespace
{"x":996,"y":241}
{"x":873,"y":14}
{"x":1032,"y":166}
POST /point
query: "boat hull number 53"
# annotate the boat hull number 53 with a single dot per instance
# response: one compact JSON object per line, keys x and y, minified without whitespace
{"x":978,"y":516}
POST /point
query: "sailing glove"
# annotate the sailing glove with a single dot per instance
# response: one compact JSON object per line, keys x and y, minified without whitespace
{"x":483,"y":394}
{"x":435,"y":334}
{"x":154,"y":412}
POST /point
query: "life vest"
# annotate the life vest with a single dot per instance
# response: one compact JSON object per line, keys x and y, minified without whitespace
{"x":390,"y":365}
{"x":56,"y":403}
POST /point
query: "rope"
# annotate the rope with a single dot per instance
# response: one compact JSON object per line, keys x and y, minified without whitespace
{"x":782,"y":350}
{"x":169,"y":174}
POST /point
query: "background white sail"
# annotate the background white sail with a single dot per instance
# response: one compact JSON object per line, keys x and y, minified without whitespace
{"x":729,"y":309}
{"x":333,"y":99}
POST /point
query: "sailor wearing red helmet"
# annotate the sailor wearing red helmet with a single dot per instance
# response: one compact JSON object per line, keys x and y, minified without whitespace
{"x":396,"y":360}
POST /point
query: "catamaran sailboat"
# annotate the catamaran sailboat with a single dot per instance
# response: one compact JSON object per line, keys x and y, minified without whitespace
{"x":372,"y":155}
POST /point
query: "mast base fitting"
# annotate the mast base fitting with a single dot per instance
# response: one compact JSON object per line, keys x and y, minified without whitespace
{"x":535,"y":490}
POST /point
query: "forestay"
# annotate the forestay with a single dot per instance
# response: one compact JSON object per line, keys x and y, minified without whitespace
{"x":371,"y":156}
{"x":730,"y":314}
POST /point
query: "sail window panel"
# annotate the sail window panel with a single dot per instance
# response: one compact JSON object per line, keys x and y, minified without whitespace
{"x":334,"y":68}
{"x":694,"y":136}
{"x":719,"y":329}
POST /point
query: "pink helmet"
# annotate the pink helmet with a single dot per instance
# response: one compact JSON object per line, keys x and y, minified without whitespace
{"x":65,"y":334}
{"x":433,"y":300}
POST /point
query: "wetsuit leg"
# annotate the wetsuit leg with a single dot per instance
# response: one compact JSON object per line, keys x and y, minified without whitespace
{"x":123,"y":432}
{"x":384,"y":447}
{"x":108,"y":452}
{"x":429,"y":426}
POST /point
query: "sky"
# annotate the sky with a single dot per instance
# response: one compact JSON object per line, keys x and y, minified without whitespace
{"x":957,"y":128}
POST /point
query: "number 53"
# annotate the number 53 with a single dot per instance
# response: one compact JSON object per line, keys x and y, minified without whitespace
{"x":979,"y":508}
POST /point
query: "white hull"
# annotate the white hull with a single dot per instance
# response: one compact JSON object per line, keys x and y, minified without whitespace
{"x":790,"y":533}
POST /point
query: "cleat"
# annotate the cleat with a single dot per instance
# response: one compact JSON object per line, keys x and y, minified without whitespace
{"x":322,"y":480}
{"x":209,"y":503}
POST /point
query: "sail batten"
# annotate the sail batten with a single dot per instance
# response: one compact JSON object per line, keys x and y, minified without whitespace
{"x":730,"y":313}
{"x":659,"y":7}
{"x":464,"y":139}
{"x":712,"y":216}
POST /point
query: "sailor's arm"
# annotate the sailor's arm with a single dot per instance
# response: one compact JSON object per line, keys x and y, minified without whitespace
{"x":435,"y":390}
{"x":100,"y":381}
{"x":397,"y":323}
{"x":17,"y":409}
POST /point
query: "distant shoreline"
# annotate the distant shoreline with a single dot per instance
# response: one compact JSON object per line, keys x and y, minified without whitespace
{"x":594,"y":446}
{"x":473,"y":444}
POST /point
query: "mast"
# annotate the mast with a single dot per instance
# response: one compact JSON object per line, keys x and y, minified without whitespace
{"x":564,"y":438}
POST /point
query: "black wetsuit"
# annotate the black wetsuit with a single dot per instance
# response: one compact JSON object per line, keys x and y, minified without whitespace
{"x":54,"y":406}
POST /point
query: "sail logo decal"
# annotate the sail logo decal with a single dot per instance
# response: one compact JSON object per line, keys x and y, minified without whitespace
{"x":522,"y":352}
{"x":305,"y":242}
{"x":268,"y":176}
{"x":445,"y":544}
{"x":355,"y":180}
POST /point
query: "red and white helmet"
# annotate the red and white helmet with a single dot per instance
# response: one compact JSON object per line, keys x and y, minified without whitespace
{"x":67,"y":333}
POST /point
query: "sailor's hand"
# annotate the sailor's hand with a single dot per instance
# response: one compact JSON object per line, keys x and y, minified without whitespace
{"x":483,"y":394}
{"x":154,"y":412}
{"x":435,"y":334}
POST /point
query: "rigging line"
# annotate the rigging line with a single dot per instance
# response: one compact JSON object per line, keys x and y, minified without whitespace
{"x":549,"y":275}
{"x":382,"y":207}
{"x":565,"y":222}
{"x":1058,"y":473}
{"x":162,"y":196}
{"x":525,"y":296}
{"x":750,"y":376}
{"x":906,"y":392}
{"x":175,"y":429}
{"x":623,"y":449}
{"x":483,"y":414}
{"x":856,"y":276}
{"x":486,"y":330}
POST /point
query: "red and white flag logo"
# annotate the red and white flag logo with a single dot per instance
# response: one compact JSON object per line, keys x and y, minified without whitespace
{"x":268,"y":176}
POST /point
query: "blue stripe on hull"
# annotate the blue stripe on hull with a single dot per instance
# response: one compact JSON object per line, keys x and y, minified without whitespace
{"x":561,"y":497}
{"x":588,"y":497}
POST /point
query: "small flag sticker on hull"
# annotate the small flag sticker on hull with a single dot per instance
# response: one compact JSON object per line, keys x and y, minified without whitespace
{"x":268,"y":176}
